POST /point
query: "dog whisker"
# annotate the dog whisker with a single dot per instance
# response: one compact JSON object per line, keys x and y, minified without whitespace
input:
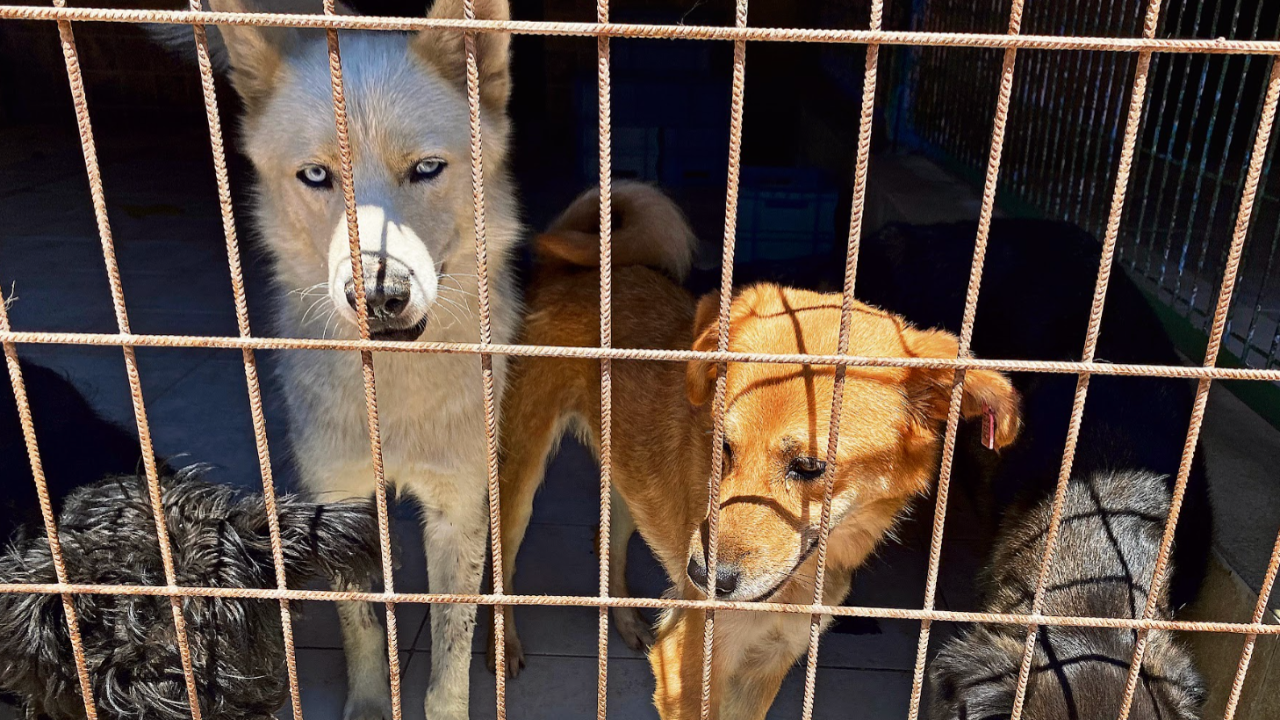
{"x":452,"y":314}
{"x":313,"y":306}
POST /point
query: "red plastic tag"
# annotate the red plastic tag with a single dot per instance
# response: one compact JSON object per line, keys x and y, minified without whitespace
{"x":988,"y":427}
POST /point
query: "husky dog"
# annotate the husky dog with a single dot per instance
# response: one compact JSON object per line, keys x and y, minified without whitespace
{"x":408,"y":115}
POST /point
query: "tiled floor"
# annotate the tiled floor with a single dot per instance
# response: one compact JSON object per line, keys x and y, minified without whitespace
{"x":172,"y":254}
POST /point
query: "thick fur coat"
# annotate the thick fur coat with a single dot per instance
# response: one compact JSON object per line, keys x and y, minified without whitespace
{"x":409,"y":133}
{"x":219,"y":538}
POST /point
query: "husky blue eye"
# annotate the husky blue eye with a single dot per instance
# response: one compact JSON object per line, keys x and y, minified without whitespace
{"x":426,"y":169}
{"x":316,"y":176}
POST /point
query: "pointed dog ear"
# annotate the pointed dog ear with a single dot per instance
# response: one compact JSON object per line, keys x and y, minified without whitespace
{"x":445,"y":51}
{"x":700,"y":377}
{"x":256,"y":54}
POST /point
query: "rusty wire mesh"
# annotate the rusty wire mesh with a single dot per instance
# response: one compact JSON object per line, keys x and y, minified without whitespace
{"x":740,"y":34}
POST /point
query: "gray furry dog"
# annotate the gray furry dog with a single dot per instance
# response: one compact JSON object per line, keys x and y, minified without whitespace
{"x":1110,"y":537}
{"x":219,"y":538}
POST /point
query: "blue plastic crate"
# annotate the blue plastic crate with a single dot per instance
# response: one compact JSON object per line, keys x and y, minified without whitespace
{"x":660,"y":57}
{"x":785,"y":213}
{"x":673,"y":130}
{"x":694,"y":157}
{"x":635,"y":154}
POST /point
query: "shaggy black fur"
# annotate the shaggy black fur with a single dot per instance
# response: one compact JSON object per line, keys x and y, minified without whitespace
{"x":219,"y":538}
{"x":77,"y":447}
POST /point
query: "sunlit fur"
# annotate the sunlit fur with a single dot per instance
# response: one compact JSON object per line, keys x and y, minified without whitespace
{"x":406,"y":101}
{"x":890,"y":439}
{"x":219,"y":538}
{"x":1112,"y":523}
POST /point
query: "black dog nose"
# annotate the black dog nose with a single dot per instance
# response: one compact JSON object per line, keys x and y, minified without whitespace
{"x":385,"y":299}
{"x":727,"y":576}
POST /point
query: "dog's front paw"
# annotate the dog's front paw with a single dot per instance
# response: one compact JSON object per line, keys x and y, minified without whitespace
{"x":367,"y":708}
{"x":512,"y":649}
{"x":635,"y":630}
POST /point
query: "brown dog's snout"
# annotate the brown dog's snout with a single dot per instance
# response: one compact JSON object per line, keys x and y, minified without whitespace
{"x":387,"y":290}
{"x":727,"y":575}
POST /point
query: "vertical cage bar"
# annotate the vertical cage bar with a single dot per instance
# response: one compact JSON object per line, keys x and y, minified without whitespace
{"x":606,"y":341}
{"x":250,"y":362}
{"x":347,"y":175}
{"x":1241,"y":232}
{"x":1251,"y":640}
{"x":722,"y":344}
{"x":46,"y":513}
{"x":89,"y":151}
{"x":998,"y":127}
{"x":486,"y":359}
{"x":1133,"y":124}
{"x":856,"y":211}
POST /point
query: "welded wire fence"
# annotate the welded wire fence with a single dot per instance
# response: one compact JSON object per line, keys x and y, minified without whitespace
{"x":1129,"y":55}
{"x":1192,"y":150}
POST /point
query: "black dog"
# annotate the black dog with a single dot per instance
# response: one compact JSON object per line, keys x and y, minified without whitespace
{"x":77,"y":447}
{"x":1035,"y":299}
{"x":219,"y":538}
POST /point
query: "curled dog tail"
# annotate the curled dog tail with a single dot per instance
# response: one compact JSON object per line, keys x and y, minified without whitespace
{"x":647,"y":229}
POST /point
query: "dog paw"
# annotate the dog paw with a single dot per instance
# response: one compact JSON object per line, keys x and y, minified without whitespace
{"x":513,"y":651}
{"x":635,"y":630}
{"x":376,"y":708}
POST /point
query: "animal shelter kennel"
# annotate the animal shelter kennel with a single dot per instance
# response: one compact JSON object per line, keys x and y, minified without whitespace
{"x":1151,"y":125}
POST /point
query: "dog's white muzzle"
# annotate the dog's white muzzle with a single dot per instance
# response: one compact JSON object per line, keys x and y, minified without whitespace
{"x":400,"y":277}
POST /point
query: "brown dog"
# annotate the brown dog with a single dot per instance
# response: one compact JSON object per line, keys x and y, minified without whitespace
{"x":776,"y":419}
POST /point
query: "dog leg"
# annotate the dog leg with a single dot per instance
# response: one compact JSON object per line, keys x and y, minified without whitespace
{"x":748,"y":696}
{"x":454,"y":532}
{"x":636,"y":631}
{"x":364,"y":640}
{"x":534,"y":419}
{"x":676,"y":660}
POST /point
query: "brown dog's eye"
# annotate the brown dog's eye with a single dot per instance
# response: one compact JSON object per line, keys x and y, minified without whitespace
{"x":727,"y":462}
{"x":806,"y":469}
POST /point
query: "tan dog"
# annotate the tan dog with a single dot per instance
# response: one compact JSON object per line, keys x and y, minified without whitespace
{"x":776,"y":420}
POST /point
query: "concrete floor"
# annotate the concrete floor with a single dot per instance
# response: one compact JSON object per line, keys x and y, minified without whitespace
{"x":165,"y":219}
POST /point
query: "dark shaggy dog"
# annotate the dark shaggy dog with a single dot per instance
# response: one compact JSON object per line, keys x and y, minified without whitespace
{"x":1036,"y":294}
{"x":1112,"y":523}
{"x":219,"y":539}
